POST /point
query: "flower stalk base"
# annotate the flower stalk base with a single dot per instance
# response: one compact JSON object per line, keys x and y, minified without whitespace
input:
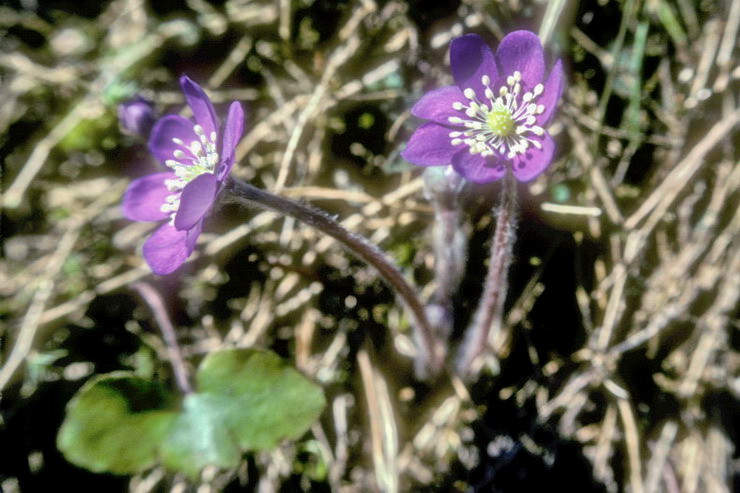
{"x":442,"y":187}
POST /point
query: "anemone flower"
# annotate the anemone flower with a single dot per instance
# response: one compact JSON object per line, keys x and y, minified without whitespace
{"x":199,"y":155}
{"x":494,"y":117}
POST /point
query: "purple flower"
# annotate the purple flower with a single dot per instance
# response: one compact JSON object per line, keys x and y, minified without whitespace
{"x":200,"y":157}
{"x":494,"y":116}
{"x":137,"y":116}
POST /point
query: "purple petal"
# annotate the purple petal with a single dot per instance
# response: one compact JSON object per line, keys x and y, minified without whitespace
{"x":167,"y":128}
{"x":436,"y":105}
{"x":529,"y":166}
{"x":192,"y":236}
{"x":470,"y":60}
{"x":478,"y":169}
{"x":166,"y":249}
{"x":430,"y":145}
{"x":551,"y":95}
{"x":233,"y":130}
{"x":522,"y":51}
{"x":197,"y":197}
{"x":145,"y":196}
{"x":203,"y":111}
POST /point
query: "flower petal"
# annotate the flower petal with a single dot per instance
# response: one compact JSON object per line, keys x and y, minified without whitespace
{"x":167,"y":128}
{"x":471,"y":59}
{"x":476,"y":168}
{"x":192,"y":235}
{"x":430,"y":145}
{"x":436,"y":105}
{"x":232,"y":133}
{"x":553,"y":91}
{"x":197,"y":197}
{"x":166,"y":249}
{"x":529,"y":166}
{"x":198,"y":101}
{"x":144,"y":197}
{"x":522,"y":51}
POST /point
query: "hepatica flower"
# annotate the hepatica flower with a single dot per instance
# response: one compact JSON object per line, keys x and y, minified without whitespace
{"x":494,"y":116}
{"x":199,"y":155}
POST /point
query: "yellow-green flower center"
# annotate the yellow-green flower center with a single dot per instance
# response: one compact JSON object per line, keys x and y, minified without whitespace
{"x":500,"y":121}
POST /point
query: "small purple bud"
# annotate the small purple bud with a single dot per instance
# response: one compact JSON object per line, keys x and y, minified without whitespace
{"x":137,"y":116}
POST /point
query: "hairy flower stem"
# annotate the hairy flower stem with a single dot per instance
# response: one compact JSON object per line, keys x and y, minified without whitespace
{"x":489,"y":314}
{"x":430,"y":361}
{"x":442,"y":189}
{"x":156,"y":304}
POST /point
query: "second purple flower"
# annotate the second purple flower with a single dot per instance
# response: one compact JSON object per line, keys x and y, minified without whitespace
{"x":200,"y":156}
{"x":494,"y":116}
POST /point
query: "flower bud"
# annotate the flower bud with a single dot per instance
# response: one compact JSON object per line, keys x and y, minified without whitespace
{"x":137,"y":116}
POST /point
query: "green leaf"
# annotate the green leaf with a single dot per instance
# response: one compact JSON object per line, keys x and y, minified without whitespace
{"x":262,"y":399}
{"x":200,"y":438}
{"x":244,"y":400}
{"x":116,"y":424}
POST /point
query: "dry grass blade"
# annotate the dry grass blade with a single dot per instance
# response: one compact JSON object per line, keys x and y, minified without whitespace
{"x":383,"y":432}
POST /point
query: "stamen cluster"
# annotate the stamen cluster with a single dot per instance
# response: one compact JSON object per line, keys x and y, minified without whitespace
{"x":191,"y":161}
{"x":503,"y":123}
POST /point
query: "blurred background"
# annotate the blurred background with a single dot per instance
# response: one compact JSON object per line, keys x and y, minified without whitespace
{"x":617,"y":369}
